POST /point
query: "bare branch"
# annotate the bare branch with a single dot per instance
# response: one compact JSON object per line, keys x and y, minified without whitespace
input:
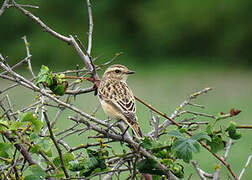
{"x":195,"y":113}
{"x":69,"y":40}
{"x":154,"y":123}
{"x":188,"y":100}
{"x":114,"y":169}
{"x":91,"y":24}
{"x":4,"y":6}
{"x":30,"y":85}
{"x":245,"y":167}
{"x":227,"y":149}
{"x":56,"y":145}
{"x":200,"y":172}
{"x":28,"y":55}
{"x":43,"y":25}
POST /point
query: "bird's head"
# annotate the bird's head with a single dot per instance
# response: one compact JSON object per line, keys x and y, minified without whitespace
{"x":118,"y":72}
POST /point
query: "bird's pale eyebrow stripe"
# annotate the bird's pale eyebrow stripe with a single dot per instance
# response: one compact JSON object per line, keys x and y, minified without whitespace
{"x":116,"y":66}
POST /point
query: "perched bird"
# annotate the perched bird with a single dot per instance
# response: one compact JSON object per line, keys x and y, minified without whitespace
{"x":117,"y":99}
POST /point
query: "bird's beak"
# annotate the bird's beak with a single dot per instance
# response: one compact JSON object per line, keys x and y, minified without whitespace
{"x":130,"y":72}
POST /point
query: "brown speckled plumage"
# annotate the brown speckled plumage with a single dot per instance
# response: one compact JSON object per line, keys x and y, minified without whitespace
{"x":116,"y":97}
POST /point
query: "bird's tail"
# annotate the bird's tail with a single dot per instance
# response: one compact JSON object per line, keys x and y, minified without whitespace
{"x":137,"y":131}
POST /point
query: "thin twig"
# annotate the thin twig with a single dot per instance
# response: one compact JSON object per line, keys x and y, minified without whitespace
{"x":91,"y":25}
{"x":245,"y":167}
{"x":28,"y":55}
{"x":4,"y":7}
{"x":20,"y":147}
{"x":188,"y":100}
{"x":89,"y":145}
{"x":128,"y":140}
{"x":69,"y":40}
{"x":16,"y":65}
{"x":115,"y":168}
{"x":56,"y":145}
{"x":43,"y":25}
{"x":227,"y":149}
{"x":202,"y":174}
{"x":195,"y":113}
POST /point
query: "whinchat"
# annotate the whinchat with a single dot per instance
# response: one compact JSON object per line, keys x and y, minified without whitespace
{"x":116,"y":97}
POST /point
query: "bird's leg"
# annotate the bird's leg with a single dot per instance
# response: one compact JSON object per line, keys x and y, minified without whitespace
{"x":108,"y":120}
{"x":124,"y":132}
{"x":111,"y":125}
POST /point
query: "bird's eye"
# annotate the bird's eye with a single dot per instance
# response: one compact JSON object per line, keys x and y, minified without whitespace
{"x":117,"y":71}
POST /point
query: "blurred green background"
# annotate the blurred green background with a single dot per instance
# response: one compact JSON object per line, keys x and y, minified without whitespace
{"x":176,"y":47}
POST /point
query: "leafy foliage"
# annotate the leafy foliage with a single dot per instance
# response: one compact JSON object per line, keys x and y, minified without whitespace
{"x":185,"y":146}
{"x":216,"y":143}
{"x":28,"y":117}
{"x":165,"y":154}
{"x":55,"y":83}
{"x":36,"y":173}
{"x":149,"y":166}
{"x":94,"y":163}
{"x":232,"y":132}
{"x":67,"y":157}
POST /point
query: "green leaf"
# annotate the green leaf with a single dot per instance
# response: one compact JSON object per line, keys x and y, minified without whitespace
{"x":209,"y":129}
{"x":35,"y":149}
{"x":178,"y":170}
{"x":183,"y":129}
{"x":147,"y":143}
{"x":78,"y":166}
{"x":149,"y":166}
{"x":32,"y":177}
{"x":200,"y":136}
{"x":167,"y":162}
{"x":37,"y":173}
{"x":3,"y":125}
{"x":45,"y":143}
{"x":44,"y":70}
{"x":4,"y":154}
{"x":185,"y":147}
{"x":34,"y":138}
{"x":161,"y":154}
{"x":15,"y":125}
{"x":176,"y":134}
{"x":232,"y":131}
{"x":156,"y":177}
{"x":67,"y":157}
{"x":28,"y":117}
{"x":58,"y":89}
{"x":5,"y":146}
{"x":216,"y":144}
{"x":93,"y":162}
{"x":44,"y":76}
{"x":235,"y":136}
{"x":48,"y":153}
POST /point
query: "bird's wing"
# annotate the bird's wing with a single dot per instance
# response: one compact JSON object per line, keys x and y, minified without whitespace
{"x":119,"y":96}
